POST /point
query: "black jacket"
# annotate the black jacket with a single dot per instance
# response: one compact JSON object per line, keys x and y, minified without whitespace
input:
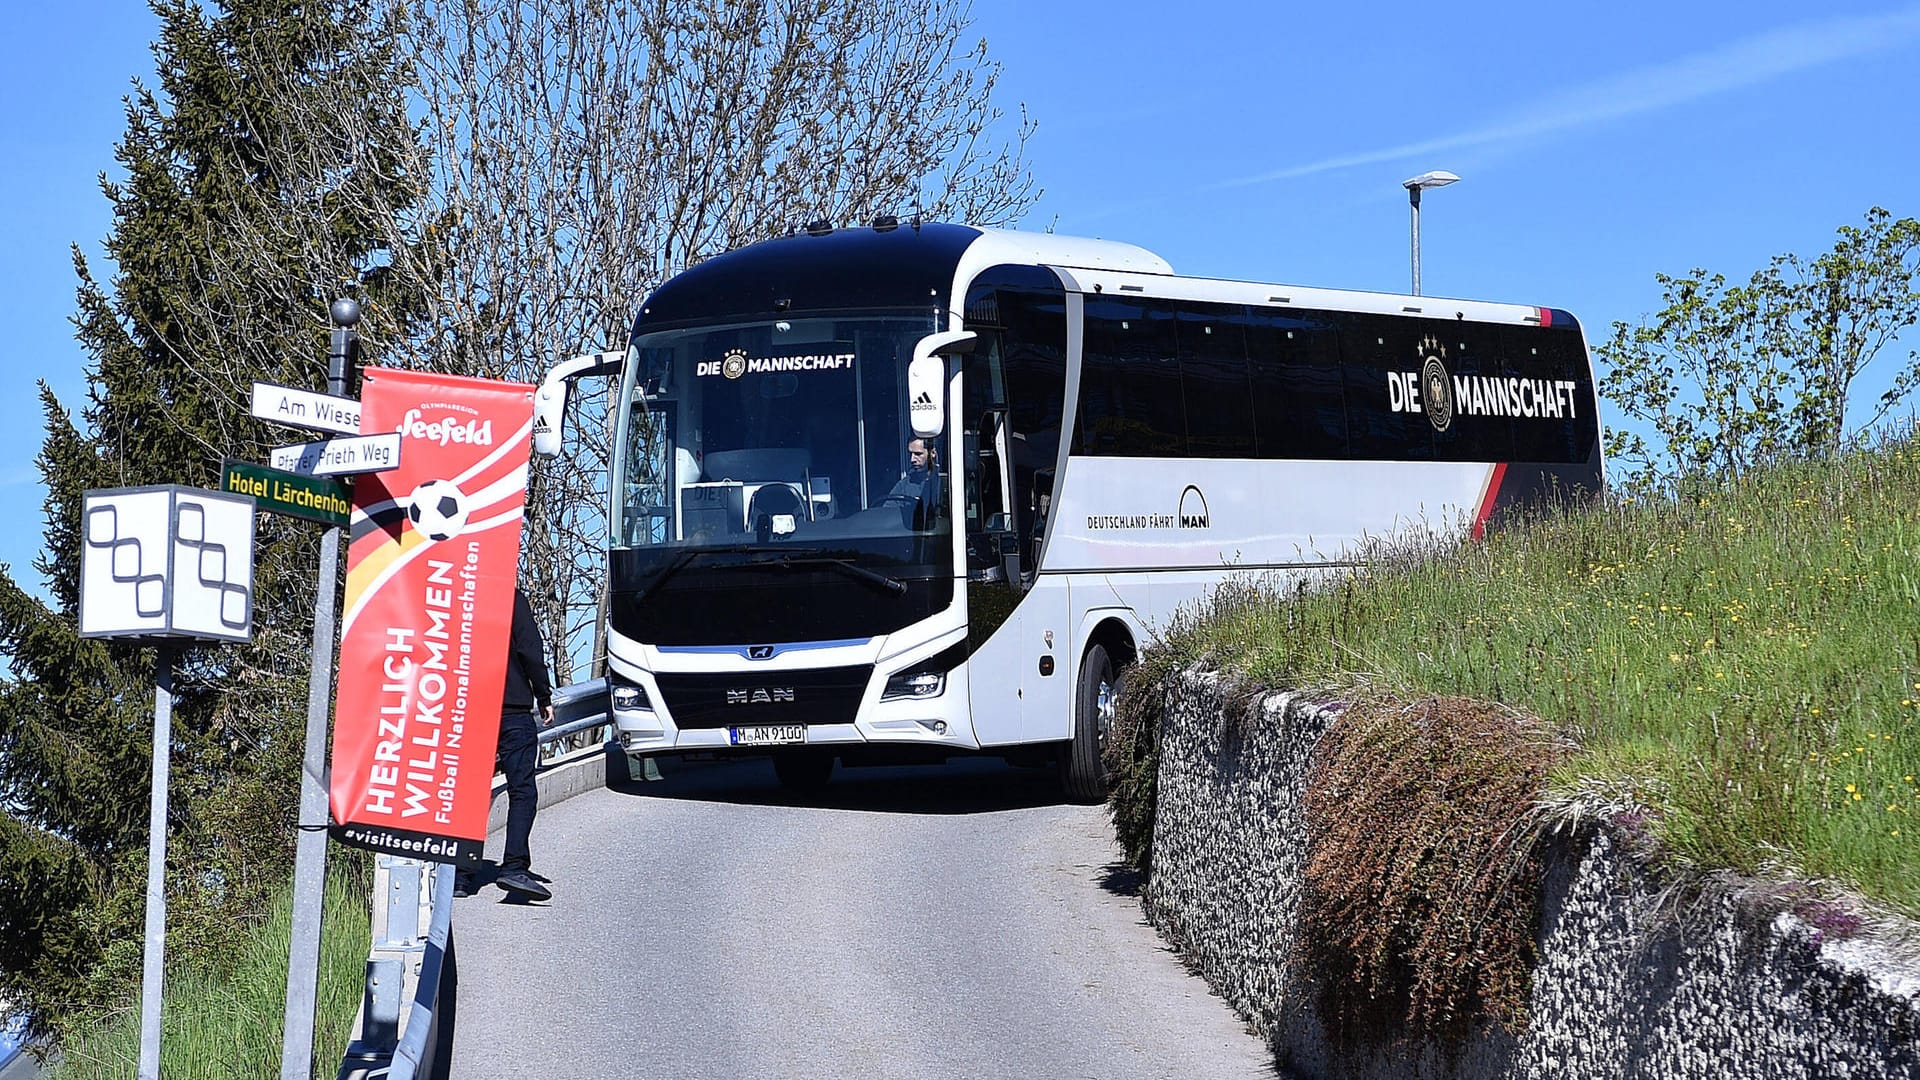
{"x":529,"y":687}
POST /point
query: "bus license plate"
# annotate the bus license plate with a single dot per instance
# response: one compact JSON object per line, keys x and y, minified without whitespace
{"x":779,"y":735}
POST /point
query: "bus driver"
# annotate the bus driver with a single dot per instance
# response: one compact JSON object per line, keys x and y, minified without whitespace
{"x":918,"y":488}
{"x":915,"y":482}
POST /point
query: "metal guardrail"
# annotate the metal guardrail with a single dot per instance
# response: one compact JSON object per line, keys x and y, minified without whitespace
{"x":580,"y":712}
{"x":405,"y":970}
{"x":406,"y":1014}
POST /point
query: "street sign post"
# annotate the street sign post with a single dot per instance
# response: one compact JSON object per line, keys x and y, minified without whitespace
{"x":339,"y":457}
{"x":306,"y":409}
{"x":312,"y":497}
{"x":310,"y":852}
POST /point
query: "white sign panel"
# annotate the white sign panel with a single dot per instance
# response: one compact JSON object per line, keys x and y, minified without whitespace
{"x":339,"y":457}
{"x":167,"y":562}
{"x":125,"y":563}
{"x":304,"y":408}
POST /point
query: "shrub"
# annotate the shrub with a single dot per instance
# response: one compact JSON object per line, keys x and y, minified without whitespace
{"x":1421,"y":899}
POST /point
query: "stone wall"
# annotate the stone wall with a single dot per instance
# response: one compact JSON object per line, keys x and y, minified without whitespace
{"x":1618,"y":991}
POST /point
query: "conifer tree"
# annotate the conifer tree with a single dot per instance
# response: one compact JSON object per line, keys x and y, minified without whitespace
{"x":234,"y":227}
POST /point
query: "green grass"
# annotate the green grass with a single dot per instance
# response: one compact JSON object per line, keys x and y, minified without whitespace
{"x":227,"y":1023}
{"x":1745,"y":660}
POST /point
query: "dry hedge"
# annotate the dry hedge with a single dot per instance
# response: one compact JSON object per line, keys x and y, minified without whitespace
{"x":1421,"y":904}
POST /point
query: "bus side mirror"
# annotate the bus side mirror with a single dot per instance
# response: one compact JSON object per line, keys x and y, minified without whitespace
{"x":549,"y":413}
{"x":550,"y":400}
{"x":927,"y":379}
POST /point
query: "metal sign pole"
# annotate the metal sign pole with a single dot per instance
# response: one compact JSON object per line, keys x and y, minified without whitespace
{"x":156,"y":939}
{"x":135,"y":539}
{"x":310,"y":856}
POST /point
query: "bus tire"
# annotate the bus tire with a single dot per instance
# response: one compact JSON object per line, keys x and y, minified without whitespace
{"x":803,"y":770}
{"x":1083,"y":767}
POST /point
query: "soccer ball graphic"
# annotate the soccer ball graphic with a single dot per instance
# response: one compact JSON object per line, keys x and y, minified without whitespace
{"x":438,"y":510}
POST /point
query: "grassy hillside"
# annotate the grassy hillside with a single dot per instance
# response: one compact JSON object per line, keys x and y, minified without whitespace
{"x":1743,"y":663}
{"x":224,"y":1021}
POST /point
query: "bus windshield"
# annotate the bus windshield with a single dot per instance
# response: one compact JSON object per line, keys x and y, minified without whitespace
{"x":789,"y":435}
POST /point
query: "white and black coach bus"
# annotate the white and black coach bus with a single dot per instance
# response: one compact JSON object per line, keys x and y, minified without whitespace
{"x":1108,"y":441}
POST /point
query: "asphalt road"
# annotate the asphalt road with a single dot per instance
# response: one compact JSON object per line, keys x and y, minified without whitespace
{"x":952,"y":921}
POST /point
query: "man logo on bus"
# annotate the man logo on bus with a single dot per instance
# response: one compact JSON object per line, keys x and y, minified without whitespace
{"x":1437,"y":389}
{"x":735,"y":364}
{"x":761,"y":695}
{"x":1193,"y":509}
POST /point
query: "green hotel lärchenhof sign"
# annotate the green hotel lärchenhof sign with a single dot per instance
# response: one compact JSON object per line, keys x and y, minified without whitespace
{"x":315,"y":498}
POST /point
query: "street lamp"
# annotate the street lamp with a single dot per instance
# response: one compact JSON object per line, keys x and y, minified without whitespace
{"x":1414,"y":187}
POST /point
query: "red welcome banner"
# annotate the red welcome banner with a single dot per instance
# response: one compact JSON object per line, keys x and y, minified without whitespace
{"x":423,"y":648}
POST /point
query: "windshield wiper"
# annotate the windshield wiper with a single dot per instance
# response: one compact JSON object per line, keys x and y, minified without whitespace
{"x":685,"y":556}
{"x":845,"y":566}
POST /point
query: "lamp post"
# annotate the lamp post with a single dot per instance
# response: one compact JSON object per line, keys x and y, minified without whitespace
{"x":1414,"y":187}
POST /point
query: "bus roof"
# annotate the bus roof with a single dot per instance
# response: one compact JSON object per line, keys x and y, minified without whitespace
{"x":908,"y":265}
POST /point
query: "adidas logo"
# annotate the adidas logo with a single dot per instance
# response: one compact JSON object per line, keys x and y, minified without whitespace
{"x":924,"y":401}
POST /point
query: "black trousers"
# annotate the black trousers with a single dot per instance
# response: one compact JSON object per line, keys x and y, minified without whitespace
{"x":517,"y":756}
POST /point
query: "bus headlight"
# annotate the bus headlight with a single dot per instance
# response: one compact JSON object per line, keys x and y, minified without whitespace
{"x":926,"y":679}
{"x":915,"y":684}
{"x":630,"y":698}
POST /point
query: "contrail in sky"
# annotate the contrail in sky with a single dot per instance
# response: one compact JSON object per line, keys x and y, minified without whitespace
{"x":1741,"y":63}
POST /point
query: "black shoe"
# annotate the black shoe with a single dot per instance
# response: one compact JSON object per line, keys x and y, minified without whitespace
{"x":521,"y":884}
{"x":539,"y":877}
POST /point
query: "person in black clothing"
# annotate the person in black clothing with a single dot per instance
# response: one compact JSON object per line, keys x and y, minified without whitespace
{"x":913,"y":483}
{"x":918,"y":490}
{"x":529,"y":691}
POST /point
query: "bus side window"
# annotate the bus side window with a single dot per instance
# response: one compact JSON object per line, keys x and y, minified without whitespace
{"x":1214,"y":383}
{"x":983,"y":391}
{"x":1130,"y":397}
{"x":1381,"y":426}
{"x":1299,"y":397}
{"x":1554,"y":355}
{"x":1035,"y":346}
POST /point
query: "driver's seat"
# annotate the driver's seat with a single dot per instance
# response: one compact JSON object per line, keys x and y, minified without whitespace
{"x":775,"y":499}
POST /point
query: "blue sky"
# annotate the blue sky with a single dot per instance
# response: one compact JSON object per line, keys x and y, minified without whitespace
{"x":1598,"y":144}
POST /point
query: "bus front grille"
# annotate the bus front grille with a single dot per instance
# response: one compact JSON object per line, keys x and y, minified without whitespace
{"x":816,"y":696}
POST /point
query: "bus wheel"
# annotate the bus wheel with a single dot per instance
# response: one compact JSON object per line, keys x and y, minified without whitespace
{"x":1083,"y":767}
{"x":803,"y":770}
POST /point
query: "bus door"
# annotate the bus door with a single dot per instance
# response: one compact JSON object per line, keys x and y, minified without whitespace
{"x":1010,"y":663}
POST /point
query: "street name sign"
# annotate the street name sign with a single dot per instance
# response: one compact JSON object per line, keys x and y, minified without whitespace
{"x":312,"y":497}
{"x":340,"y":457}
{"x":304,"y":408}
